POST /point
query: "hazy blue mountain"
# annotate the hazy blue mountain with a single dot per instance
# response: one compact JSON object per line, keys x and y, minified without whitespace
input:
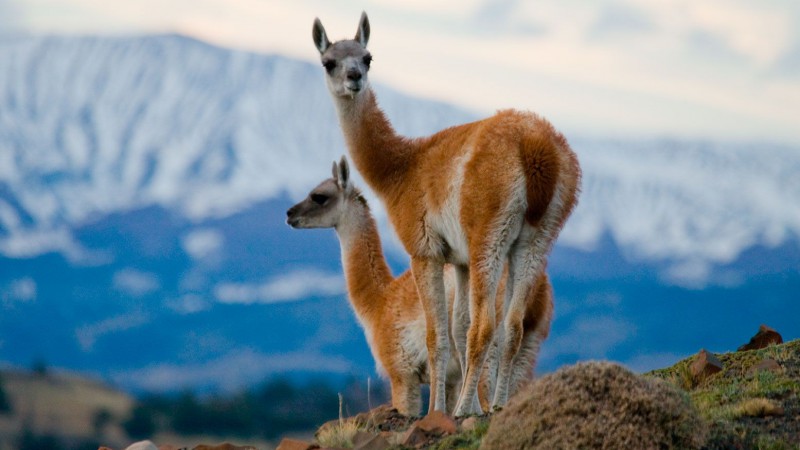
{"x":143,"y":187}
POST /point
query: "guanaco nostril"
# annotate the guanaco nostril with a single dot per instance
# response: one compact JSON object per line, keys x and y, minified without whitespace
{"x":290,"y":212}
{"x":354,"y":75}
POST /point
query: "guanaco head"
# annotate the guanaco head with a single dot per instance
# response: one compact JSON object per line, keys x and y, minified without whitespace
{"x":347,"y":61}
{"x":327,"y":203}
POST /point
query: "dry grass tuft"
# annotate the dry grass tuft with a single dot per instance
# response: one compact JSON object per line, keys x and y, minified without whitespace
{"x":757,"y":407}
{"x":339,"y":435}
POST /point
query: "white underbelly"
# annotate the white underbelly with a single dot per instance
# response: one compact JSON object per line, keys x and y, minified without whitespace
{"x":447,"y":227}
{"x":445,"y":224}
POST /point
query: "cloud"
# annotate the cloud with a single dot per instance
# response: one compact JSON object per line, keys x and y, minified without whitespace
{"x":707,"y":44}
{"x":659,"y":83}
{"x":503,"y":17}
{"x":135,"y":282}
{"x":22,"y":243}
{"x":788,"y":64}
{"x":622,"y":20}
{"x":189,"y":304}
{"x":203,"y":243}
{"x":293,"y":286}
{"x":22,"y":290}
{"x":87,"y":335}
{"x":229,"y":372}
{"x":691,"y":274}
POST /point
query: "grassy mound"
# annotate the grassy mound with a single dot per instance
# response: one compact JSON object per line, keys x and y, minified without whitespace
{"x":747,"y":407}
{"x":596,"y":405}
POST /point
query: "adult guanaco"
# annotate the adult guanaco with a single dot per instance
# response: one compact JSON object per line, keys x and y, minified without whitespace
{"x":481,"y":196}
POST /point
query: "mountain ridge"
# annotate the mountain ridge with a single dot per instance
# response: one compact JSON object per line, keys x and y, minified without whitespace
{"x":143,"y":189}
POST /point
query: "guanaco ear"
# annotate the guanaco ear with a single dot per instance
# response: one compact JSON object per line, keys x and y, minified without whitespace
{"x":320,"y":38}
{"x":335,"y":171}
{"x":362,"y":35}
{"x":342,"y":173}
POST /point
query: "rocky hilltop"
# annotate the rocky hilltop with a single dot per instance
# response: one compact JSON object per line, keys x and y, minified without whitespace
{"x":739,"y":400}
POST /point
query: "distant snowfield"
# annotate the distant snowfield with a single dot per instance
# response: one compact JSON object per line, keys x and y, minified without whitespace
{"x":94,"y":126}
{"x":695,"y":203}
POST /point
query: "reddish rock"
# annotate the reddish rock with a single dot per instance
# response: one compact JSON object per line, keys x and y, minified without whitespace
{"x":765,"y":337}
{"x":427,"y":429}
{"x":416,"y":437}
{"x":438,"y":423}
{"x":294,"y":444}
{"x":104,"y":448}
{"x":769,"y":365}
{"x":704,"y":365}
{"x":369,"y":441}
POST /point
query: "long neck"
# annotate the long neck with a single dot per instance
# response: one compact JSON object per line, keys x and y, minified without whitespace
{"x":365,"y":267}
{"x":380,"y":154}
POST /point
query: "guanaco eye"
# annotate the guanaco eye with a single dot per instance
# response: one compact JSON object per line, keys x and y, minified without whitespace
{"x":319,"y":199}
{"x":368,"y":60}
{"x":329,"y":65}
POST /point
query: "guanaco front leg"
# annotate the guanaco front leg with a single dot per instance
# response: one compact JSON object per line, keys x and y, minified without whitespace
{"x":429,"y":276}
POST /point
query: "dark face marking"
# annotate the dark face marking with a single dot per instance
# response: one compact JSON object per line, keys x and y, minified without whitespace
{"x":319,"y":199}
{"x":329,"y":65}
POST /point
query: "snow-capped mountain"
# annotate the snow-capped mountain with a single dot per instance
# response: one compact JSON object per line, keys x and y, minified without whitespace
{"x":696,"y":204}
{"x":143,"y":184}
{"x":94,"y":126}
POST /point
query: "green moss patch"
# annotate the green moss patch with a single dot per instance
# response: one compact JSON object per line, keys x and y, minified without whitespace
{"x":756,"y":409}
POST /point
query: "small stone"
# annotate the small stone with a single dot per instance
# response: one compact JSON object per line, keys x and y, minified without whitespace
{"x":369,"y":441}
{"x":765,"y":337}
{"x":768,"y":365}
{"x":295,"y":444}
{"x":470,"y":423}
{"x":142,"y":445}
{"x":438,"y":422}
{"x":704,"y":365}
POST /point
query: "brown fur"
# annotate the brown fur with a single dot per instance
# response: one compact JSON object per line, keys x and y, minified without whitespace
{"x":387,"y":306}
{"x":413,"y":177}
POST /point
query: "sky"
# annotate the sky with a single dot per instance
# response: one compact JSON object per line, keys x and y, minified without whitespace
{"x":716,"y":69}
